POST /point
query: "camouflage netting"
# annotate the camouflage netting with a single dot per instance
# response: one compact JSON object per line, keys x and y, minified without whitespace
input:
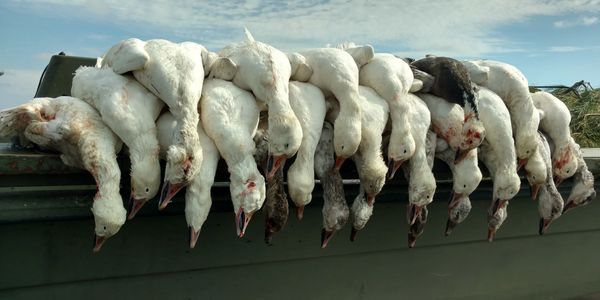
{"x":585,"y":115}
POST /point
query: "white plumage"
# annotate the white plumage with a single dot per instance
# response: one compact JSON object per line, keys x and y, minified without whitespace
{"x":130,"y":110}
{"x":230,"y":118}
{"x":75,"y":129}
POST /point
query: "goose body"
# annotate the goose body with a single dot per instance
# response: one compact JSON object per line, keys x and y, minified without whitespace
{"x":497,"y":152}
{"x":335,"y":72}
{"x":308,"y":104}
{"x":75,"y":129}
{"x":555,"y":122}
{"x":392,"y":78}
{"x":197,"y":195}
{"x":266,"y":71}
{"x":175,"y":74}
{"x":550,"y":202}
{"x":512,"y":87}
{"x":230,"y":118}
{"x":335,"y":209}
{"x":130,"y":110}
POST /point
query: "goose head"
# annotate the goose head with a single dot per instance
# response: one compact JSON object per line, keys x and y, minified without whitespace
{"x":583,"y":191}
{"x":565,"y":164}
{"x":417,"y":228}
{"x":399,"y":151}
{"x":550,"y":207}
{"x":458,"y":210}
{"x":526,"y":144}
{"x":178,"y":172}
{"x":335,"y":215}
{"x":248,"y":194}
{"x":467,"y":174}
{"x":506,"y":186}
{"x":346,"y":138}
{"x":496,"y":220}
{"x":361,"y":213}
{"x":420,"y":193}
{"x":145,"y":180}
{"x":109,"y":216}
{"x":300,"y":189}
{"x":372,"y":177}
{"x":285,"y":137}
{"x":473,"y":134}
{"x":536,"y":173}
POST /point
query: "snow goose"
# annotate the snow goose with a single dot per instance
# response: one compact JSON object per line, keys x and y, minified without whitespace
{"x":497,"y":152}
{"x":308,"y":104}
{"x":392,"y":78}
{"x":174,"y":73}
{"x":536,"y":172}
{"x":230,"y":118}
{"x":421,"y":182}
{"x":335,"y":72}
{"x":550,"y":202}
{"x":583,"y":191}
{"x":264,"y":70}
{"x":75,"y":129}
{"x":368,"y":158}
{"x":555,"y":122}
{"x":466,"y":177}
{"x":276,"y":203}
{"x":197,"y":195}
{"x":130,"y":110}
{"x":512,"y":87}
{"x":453,"y":83}
{"x":448,"y":123}
{"x":335,"y":209}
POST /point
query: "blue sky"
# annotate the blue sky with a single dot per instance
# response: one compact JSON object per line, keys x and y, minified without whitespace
{"x":550,"y":41}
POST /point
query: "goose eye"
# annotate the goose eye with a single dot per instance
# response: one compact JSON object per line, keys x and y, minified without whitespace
{"x":568,"y":171}
{"x":147,"y":190}
{"x":287,"y":145}
{"x":465,"y":186}
{"x":404,"y":150}
{"x":104,"y":227}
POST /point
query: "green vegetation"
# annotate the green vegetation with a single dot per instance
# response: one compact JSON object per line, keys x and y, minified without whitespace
{"x":585,"y":114}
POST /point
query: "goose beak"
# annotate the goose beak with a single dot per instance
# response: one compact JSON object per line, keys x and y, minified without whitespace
{"x":454,"y":201}
{"x":414,"y":212}
{"x":544,"y":224}
{"x":522,"y":162}
{"x":274,"y":163}
{"x":353,"y":234}
{"x":169,"y":190}
{"x":193,"y":237}
{"x":300,"y":212}
{"x":326,"y":237}
{"x":449,"y":227}
{"x":370,"y":199}
{"x":535,"y":188}
{"x":557,"y":180}
{"x":412,"y":240}
{"x":98,"y":242}
{"x":460,"y":155}
{"x":241,"y":222}
{"x":491,"y":234}
{"x":393,"y":166}
{"x":339,"y":161}
{"x":136,"y":205}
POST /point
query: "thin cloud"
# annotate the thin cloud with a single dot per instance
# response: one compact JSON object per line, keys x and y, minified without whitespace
{"x":583,"y":21}
{"x":457,"y":28}
{"x":17,"y":86}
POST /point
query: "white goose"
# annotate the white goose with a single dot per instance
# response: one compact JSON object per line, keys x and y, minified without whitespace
{"x":447,"y":120}
{"x":335,"y":72}
{"x":497,"y":152}
{"x":75,"y":129}
{"x":536,"y":172}
{"x":392,"y":79}
{"x":308,"y":104}
{"x":555,"y":122}
{"x":130,"y":110}
{"x":466,"y":177}
{"x":512,"y":87}
{"x":230,"y":118}
{"x":550,"y":202}
{"x":335,"y":209}
{"x":264,"y":70}
{"x":197,"y":195}
{"x":174,"y":73}
{"x":421,"y":182}
{"x":369,"y":158}
{"x":583,"y":191}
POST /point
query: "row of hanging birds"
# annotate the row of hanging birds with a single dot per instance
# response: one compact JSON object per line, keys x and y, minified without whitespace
{"x":324,"y":106}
